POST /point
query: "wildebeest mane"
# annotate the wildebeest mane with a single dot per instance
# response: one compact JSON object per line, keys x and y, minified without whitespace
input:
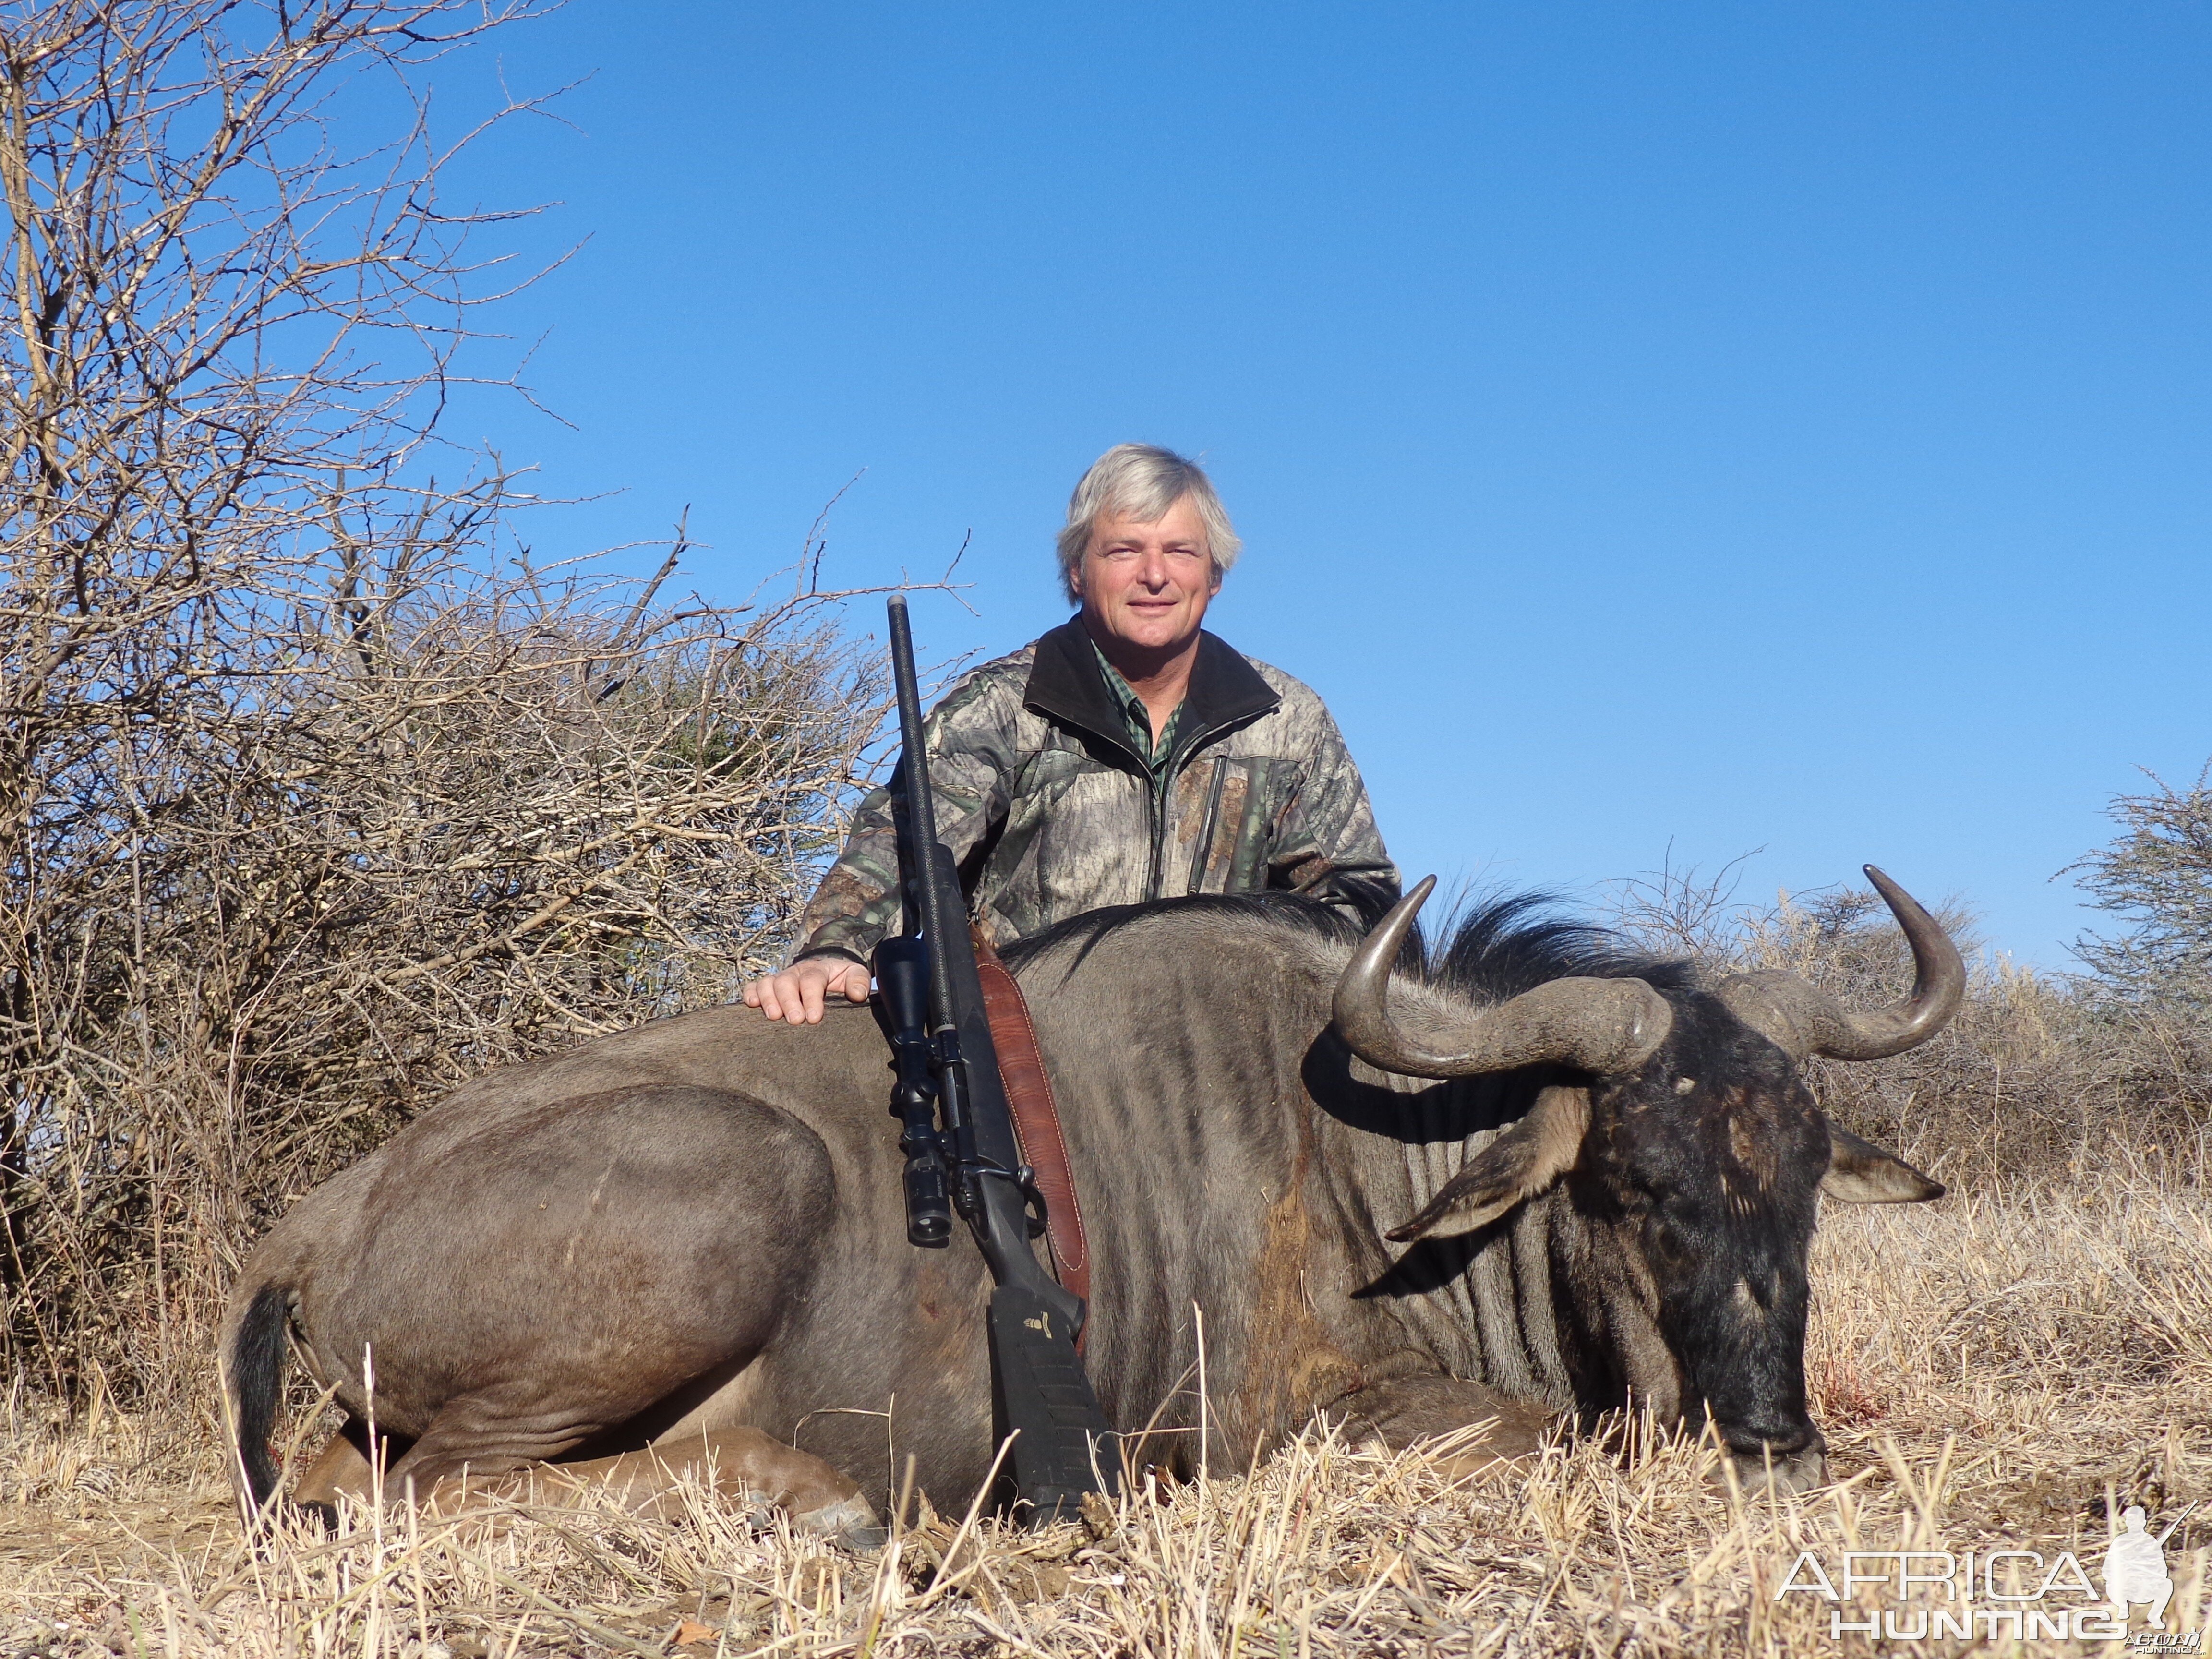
{"x":1503,"y":944}
{"x":1497,"y":947}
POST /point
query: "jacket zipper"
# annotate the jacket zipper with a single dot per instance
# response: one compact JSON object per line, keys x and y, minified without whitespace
{"x":1157,"y":816}
{"x":1204,"y":846}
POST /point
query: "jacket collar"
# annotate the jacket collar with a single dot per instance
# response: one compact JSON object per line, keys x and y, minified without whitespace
{"x":1065,"y":685}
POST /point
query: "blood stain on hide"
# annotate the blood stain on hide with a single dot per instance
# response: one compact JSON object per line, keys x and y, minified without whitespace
{"x":1293,"y":1366}
{"x":1752,"y":1143}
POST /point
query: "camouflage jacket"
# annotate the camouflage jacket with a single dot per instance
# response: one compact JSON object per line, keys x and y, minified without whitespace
{"x":1050,"y":811}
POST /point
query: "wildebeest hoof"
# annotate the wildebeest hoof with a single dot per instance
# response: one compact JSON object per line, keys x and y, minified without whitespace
{"x":1757,"y":1474}
{"x":850,"y":1521}
{"x":324,"y":1516}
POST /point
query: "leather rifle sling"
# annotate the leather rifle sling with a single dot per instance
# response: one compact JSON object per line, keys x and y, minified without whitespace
{"x":1036,"y":1119}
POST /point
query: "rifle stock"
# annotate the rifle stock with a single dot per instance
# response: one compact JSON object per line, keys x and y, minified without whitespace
{"x":969,"y":1156}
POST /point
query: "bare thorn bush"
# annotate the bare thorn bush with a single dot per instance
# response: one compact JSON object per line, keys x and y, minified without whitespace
{"x":2156,"y":876}
{"x":315,"y":796}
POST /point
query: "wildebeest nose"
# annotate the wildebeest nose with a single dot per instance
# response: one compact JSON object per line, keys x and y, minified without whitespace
{"x":1781,"y":1439}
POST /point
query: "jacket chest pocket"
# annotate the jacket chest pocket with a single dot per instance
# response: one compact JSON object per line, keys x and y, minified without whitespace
{"x":1226,"y":814}
{"x":1049,"y":777}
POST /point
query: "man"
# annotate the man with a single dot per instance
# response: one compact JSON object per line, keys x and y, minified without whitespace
{"x":1125,"y":755}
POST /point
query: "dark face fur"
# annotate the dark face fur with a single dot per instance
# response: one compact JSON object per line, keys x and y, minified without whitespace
{"x":1689,"y":1159}
{"x":1690,"y":1189}
{"x":1710,"y":1159}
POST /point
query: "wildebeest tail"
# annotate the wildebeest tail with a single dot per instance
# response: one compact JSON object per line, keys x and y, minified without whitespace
{"x":256,"y":1380}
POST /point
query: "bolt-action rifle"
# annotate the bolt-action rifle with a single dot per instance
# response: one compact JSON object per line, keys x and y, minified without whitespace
{"x":962,"y":1155}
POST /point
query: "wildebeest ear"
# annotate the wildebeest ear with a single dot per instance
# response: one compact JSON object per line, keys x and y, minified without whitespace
{"x":1859,"y":1172}
{"x":1517,"y":1165}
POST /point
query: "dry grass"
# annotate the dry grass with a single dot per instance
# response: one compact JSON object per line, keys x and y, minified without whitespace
{"x":1991,"y":1369}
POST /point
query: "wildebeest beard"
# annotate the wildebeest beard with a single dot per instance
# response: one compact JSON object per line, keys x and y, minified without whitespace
{"x":1606,"y":1174}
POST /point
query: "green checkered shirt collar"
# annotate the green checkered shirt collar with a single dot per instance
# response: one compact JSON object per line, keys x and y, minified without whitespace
{"x":1137,"y":718}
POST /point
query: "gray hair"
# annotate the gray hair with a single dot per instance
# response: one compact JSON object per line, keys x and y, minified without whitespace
{"x":1142,"y":482}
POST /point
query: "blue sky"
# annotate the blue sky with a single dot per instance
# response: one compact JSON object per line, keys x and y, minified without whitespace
{"x":1656,"y":431}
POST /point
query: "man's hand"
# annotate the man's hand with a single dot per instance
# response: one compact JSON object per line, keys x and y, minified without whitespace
{"x":798,"y":993}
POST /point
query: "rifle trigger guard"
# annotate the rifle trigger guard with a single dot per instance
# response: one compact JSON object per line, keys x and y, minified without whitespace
{"x":1032,"y":1201}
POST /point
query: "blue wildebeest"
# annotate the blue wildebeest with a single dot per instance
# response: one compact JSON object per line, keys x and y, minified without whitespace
{"x":1605,"y":1172}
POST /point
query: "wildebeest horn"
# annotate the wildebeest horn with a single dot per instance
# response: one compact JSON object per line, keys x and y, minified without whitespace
{"x":1603,"y":1026}
{"x":1802,"y":1019}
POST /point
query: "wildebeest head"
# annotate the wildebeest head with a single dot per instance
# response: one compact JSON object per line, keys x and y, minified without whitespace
{"x":1691,"y":1150}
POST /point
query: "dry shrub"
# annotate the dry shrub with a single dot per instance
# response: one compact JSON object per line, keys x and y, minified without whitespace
{"x":314,"y":796}
{"x":461,"y":821}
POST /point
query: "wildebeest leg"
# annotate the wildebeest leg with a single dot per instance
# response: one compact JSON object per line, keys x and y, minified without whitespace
{"x":341,"y":1470}
{"x":1405,"y":1410}
{"x":733,"y":1463}
{"x":490,"y":1432}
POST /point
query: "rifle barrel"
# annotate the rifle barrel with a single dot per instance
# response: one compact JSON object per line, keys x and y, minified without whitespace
{"x":2178,"y":1520}
{"x":922,"y":810}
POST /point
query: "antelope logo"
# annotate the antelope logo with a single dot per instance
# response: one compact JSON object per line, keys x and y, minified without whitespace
{"x":2013,"y":1595}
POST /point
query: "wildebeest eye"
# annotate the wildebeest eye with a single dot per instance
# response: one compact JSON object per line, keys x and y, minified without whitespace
{"x":1667,"y":1246}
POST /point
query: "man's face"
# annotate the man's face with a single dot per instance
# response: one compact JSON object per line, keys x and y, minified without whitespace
{"x":1146,"y":585}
